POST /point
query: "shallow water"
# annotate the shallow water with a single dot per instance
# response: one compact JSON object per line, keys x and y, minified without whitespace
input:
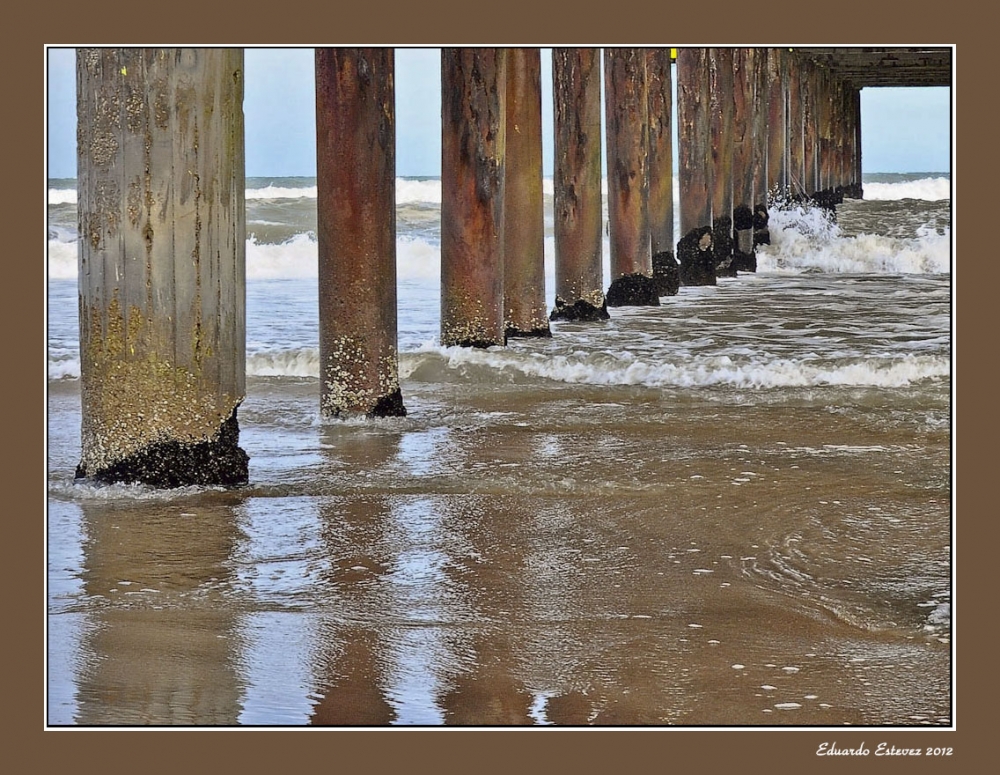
{"x":734,"y":509}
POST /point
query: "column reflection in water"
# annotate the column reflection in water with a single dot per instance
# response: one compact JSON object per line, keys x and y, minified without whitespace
{"x":279,"y":569}
{"x":158,"y":647}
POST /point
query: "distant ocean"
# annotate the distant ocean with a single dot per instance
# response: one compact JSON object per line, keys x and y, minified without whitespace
{"x":733,"y":509}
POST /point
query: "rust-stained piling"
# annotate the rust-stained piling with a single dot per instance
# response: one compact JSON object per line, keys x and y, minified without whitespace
{"x":743,"y":159}
{"x":777,"y":124}
{"x":472,"y":196}
{"x":829,"y":157}
{"x":828,"y":189}
{"x":576,"y":96}
{"x":666,"y":272}
{"x":161,"y":265}
{"x":524,"y":214}
{"x":796,"y":130}
{"x":809,"y":154}
{"x":694,"y":249}
{"x":356,"y":232}
{"x":627,"y":122}
{"x":721,"y":134}
{"x":759,"y":139}
{"x":855,"y":184}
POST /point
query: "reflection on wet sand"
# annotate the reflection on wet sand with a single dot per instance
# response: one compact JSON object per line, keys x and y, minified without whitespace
{"x":694,"y":584}
{"x":157,"y":647}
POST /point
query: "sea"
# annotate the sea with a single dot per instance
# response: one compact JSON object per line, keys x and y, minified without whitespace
{"x":731,"y":510}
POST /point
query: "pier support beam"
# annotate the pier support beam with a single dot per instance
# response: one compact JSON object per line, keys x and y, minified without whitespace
{"x":473,"y":118}
{"x":161,"y":265}
{"x":759,"y":139}
{"x":721,"y":176}
{"x":743,"y":159}
{"x":796,"y":130}
{"x":666,"y":272}
{"x":627,"y":121}
{"x":694,"y":250}
{"x":524,"y":207}
{"x":356,"y":232}
{"x":576,"y":96}
{"x":809,"y":129}
{"x":777,"y":124}
{"x":856,"y":185}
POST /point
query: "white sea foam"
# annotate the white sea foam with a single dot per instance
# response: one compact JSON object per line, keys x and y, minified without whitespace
{"x":805,"y":239}
{"x":597,"y":368}
{"x":282,"y":192}
{"x":602,"y":368}
{"x":59,"y":196}
{"x":925,"y":188}
{"x":64,"y":368}
{"x":62,"y":260}
{"x":294,"y":258}
{"x":410,"y":191}
{"x":300,"y":362}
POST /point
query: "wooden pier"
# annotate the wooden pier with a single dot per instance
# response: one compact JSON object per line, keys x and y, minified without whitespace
{"x":162,"y":213}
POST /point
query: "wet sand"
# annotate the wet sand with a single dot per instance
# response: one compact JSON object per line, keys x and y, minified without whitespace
{"x":580,"y":556}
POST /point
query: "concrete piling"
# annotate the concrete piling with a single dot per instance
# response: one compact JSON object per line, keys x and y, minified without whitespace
{"x":356,"y":232}
{"x":473,"y":119}
{"x":666,"y":272}
{"x":627,"y":124}
{"x":524,"y":213}
{"x":777,"y":124}
{"x":796,"y":134}
{"x":694,"y":249}
{"x":855,"y":183}
{"x":576,"y":178}
{"x":720,"y":62}
{"x":161,"y":265}
{"x":743,"y":159}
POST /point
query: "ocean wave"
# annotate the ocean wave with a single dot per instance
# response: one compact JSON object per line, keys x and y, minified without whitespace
{"x":299,"y":362}
{"x":281,"y":192}
{"x":62,"y":264}
{"x":61,"y":368}
{"x":429,"y":190}
{"x":804,"y":238}
{"x":925,"y":188}
{"x":60,"y":196}
{"x":430,"y":361}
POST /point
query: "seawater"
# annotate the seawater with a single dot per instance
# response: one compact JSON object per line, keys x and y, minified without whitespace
{"x":733,"y":509}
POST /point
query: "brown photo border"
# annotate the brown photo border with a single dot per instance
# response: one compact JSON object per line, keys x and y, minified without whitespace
{"x":397,"y":23}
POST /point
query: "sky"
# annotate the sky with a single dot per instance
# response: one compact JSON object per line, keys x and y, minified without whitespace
{"x":903,"y":129}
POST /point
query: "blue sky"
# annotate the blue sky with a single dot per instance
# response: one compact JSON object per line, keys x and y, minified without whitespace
{"x":903,"y":129}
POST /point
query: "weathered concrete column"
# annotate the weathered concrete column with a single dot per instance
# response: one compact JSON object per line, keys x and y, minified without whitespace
{"x":829,"y":157}
{"x":760,"y":138}
{"x":576,"y":178}
{"x":473,"y":118}
{"x":857,"y":187}
{"x":809,"y":155}
{"x":777,"y":124}
{"x":796,"y":130}
{"x":627,"y":125}
{"x":666,"y":272}
{"x":161,"y":265}
{"x":694,"y":250}
{"x":356,"y":232}
{"x":829,"y":191}
{"x":524,"y":206}
{"x":721,"y":100}
{"x":743,"y":159}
